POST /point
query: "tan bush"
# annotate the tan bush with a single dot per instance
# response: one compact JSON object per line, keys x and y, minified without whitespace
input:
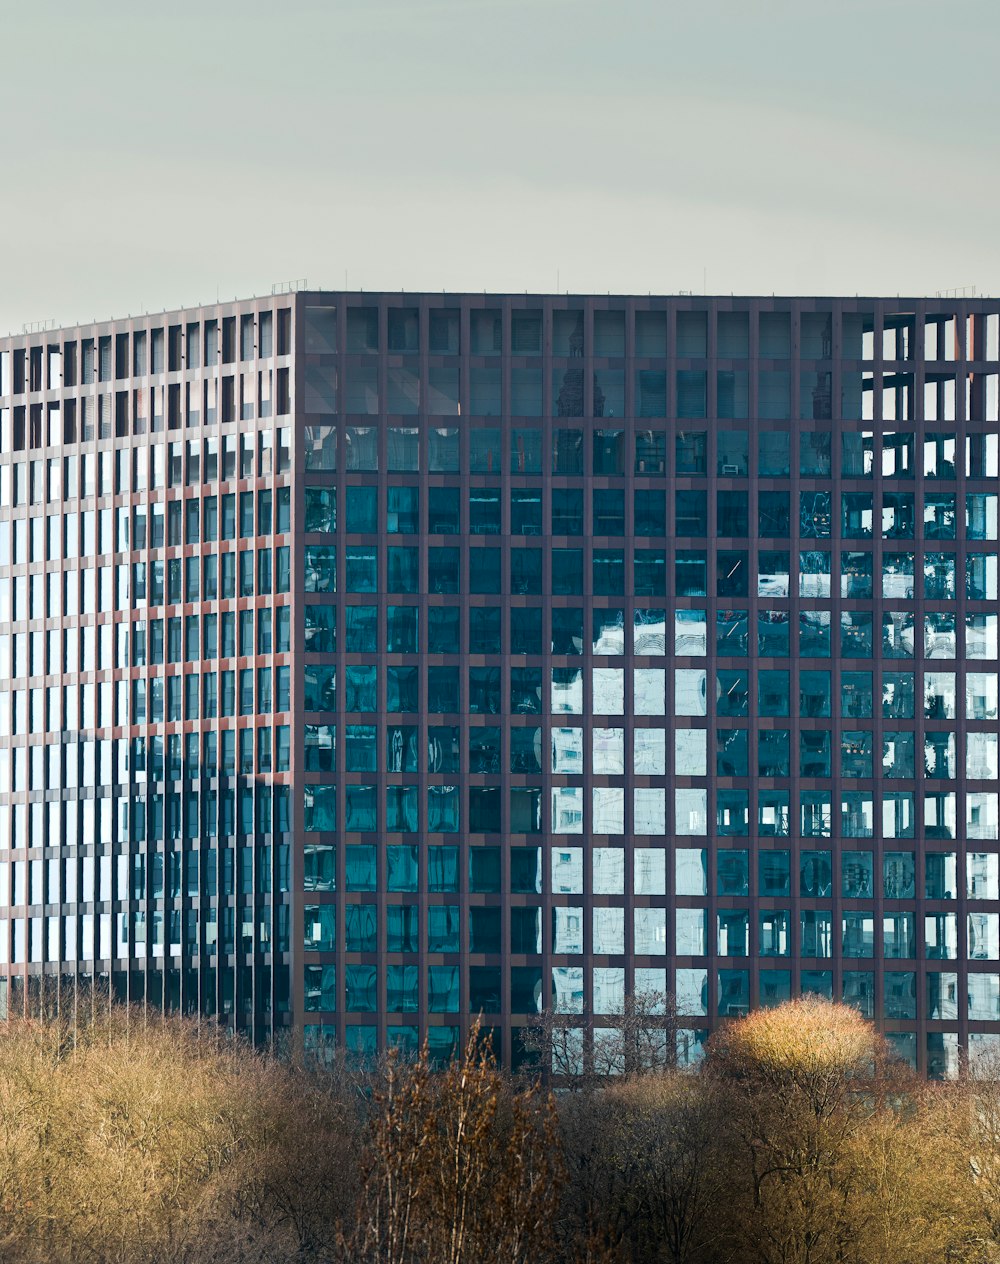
{"x":125,"y":1139}
{"x":837,"y":1151}
{"x":460,"y":1167}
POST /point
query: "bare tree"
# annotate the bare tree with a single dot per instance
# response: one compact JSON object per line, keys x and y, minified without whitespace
{"x":835,"y":1155}
{"x":967,"y":1113}
{"x":575,"y":1054}
{"x":299,"y":1182}
{"x":801,"y":1141}
{"x":647,"y":1170}
{"x":125,"y":1137}
{"x":458,"y":1167}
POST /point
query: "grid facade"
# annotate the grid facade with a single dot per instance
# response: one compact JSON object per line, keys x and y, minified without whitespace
{"x":379,"y":661}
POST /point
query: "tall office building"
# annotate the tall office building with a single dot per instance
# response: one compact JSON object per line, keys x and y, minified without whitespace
{"x":373,"y":661}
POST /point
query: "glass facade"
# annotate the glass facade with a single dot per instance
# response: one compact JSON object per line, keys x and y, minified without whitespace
{"x":374,"y":662}
{"x":146,"y":667}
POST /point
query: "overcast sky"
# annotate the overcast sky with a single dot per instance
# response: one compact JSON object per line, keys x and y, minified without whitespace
{"x":154,"y":155}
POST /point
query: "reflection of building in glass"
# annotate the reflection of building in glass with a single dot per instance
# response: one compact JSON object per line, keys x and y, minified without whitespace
{"x":371,"y":662}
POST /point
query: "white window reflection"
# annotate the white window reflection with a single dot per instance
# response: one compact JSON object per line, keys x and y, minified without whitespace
{"x":984,"y":936}
{"x":983,"y":1049}
{"x":609,"y":931}
{"x":650,"y":811}
{"x":983,"y":875}
{"x":690,"y":752}
{"x":773,"y":936}
{"x":609,"y":810}
{"x":940,"y":814}
{"x":897,"y":634}
{"x":691,"y":811}
{"x":982,"y":582}
{"x":939,"y":635}
{"x":690,"y":1045}
{"x":692,"y":992}
{"x":939,"y":695}
{"x":942,"y":1055}
{"x":689,"y":692}
{"x":690,"y":936}
{"x":733,"y":932}
{"x":608,"y":751}
{"x":609,"y":870}
{"x":609,"y":990}
{"x":608,"y":690}
{"x":567,"y":751}
{"x":567,"y":810}
{"x":567,"y":990}
{"x":942,"y":994}
{"x":609,"y":632}
{"x":897,"y":814}
{"x":939,"y":754}
{"x":650,"y":932}
{"x":984,"y":997}
{"x":690,"y":871}
{"x":816,"y":932}
{"x":649,"y":871}
{"x":649,"y":752}
{"x":981,"y":695}
{"x":608,"y":1053}
{"x":690,"y":633}
{"x":567,"y":1042}
{"x":941,"y":936}
{"x":649,"y":632}
{"x":650,"y":982}
{"x":981,"y":757}
{"x":980,"y":636}
{"x":649,"y":691}
{"x":897,"y":575}
{"x":980,"y":516}
{"x":567,"y":871}
{"x":772,"y":581}
{"x":981,"y":814}
{"x":567,"y":930}
{"x":814,"y":574}
{"x":567,"y":691}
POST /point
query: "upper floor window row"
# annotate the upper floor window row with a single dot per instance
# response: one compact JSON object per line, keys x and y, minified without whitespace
{"x":694,"y":334}
{"x":144,"y":352}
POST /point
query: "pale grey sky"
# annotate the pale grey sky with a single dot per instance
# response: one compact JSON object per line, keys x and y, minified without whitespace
{"x":153,"y":155}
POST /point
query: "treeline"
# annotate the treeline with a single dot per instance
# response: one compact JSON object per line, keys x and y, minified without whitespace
{"x":799,"y":1140}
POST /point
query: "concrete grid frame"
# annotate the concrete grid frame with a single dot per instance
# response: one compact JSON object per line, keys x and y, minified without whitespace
{"x":372,"y":661}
